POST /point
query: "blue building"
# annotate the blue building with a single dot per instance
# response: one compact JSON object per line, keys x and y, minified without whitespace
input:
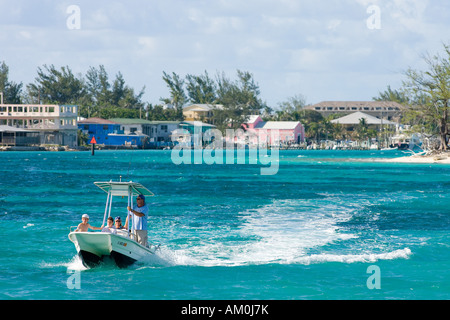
{"x":108,"y":133}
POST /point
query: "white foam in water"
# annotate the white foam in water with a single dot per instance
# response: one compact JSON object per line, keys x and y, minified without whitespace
{"x":352,"y":258}
{"x":75,"y":264}
{"x":164,"y":257}
{"x":283,"y":232}
{"x":288,"y":229}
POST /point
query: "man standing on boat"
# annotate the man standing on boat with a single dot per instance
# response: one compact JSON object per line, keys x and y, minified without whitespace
{"x":139,"y":220}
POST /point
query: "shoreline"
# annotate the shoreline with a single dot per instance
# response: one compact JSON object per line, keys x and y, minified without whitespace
{"x":440,"y":158}
{"x":435,"y":157}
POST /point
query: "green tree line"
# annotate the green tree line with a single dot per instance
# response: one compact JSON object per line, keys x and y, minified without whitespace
{"x":99,"y":95}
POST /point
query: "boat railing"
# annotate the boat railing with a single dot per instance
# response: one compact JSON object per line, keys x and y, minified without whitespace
{"x":124,"y":233}
{"x":120,"y":232}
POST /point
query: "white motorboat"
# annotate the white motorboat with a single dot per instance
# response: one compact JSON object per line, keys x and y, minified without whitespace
{"x":120,"y":247}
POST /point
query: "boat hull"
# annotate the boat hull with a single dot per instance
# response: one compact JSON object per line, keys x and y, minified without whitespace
{"x":95,"y":247}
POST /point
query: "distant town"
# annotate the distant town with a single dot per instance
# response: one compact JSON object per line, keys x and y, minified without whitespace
{"x":58,"y":127}
{"x":63,"y":111}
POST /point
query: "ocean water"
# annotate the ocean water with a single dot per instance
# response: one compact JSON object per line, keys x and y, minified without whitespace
{"x":327,"y":225}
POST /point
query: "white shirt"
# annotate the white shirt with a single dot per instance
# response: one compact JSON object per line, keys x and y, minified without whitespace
{"x":109,"y":230}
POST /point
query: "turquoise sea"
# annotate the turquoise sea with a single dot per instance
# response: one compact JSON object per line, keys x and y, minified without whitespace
{"x":327,"y":225}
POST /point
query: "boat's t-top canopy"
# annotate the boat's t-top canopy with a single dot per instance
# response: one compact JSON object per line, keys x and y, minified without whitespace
{"x":124,"y":189}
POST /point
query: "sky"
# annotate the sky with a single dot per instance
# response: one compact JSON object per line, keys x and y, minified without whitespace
{"x":322,"y":50}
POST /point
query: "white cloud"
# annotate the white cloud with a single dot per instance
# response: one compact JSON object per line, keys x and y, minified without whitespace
{"x":292,"y":47}
{"x":334,"y":24}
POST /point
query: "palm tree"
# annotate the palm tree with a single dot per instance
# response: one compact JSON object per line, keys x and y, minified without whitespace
{"x":362,"y":130}
{"x":339,"y":131}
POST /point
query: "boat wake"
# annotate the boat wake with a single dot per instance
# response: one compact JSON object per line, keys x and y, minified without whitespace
{"x":299,"y":231}
{"x":286,"y":232}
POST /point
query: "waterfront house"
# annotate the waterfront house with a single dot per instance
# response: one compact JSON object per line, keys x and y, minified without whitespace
{"x":98,"y":128}
{"x":161,"y":132}
{"x":274,"y":132}
{"x":56,"y":124}
{"x":158,"y":132}
{"x":133,"y":126}
{"x":190,"y":132}
{"x":12,"y":136}
{"x":109,"y":133}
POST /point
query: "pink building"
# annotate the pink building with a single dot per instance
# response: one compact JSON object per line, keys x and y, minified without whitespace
{"x":275,"y":132}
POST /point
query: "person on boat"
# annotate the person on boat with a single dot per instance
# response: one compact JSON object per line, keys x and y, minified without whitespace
{"x":139,"y":220}
{"x":110,"y":227}
{"x":84,"y":225}
{"x":118,"y":223}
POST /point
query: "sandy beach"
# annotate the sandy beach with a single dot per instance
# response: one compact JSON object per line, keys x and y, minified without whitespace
{"x":441,"y":158}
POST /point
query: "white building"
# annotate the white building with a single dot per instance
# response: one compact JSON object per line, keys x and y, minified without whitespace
{"x":57,"y":124}
{"x":353,"y":119}
{"x":388,"y":110}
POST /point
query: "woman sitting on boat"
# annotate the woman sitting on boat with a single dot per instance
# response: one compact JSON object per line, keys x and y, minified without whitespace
{"x":118,"y":224}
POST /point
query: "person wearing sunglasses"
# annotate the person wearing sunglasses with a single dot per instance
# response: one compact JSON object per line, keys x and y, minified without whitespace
{"x":139,"y":220}
{"x":118,"y":223}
